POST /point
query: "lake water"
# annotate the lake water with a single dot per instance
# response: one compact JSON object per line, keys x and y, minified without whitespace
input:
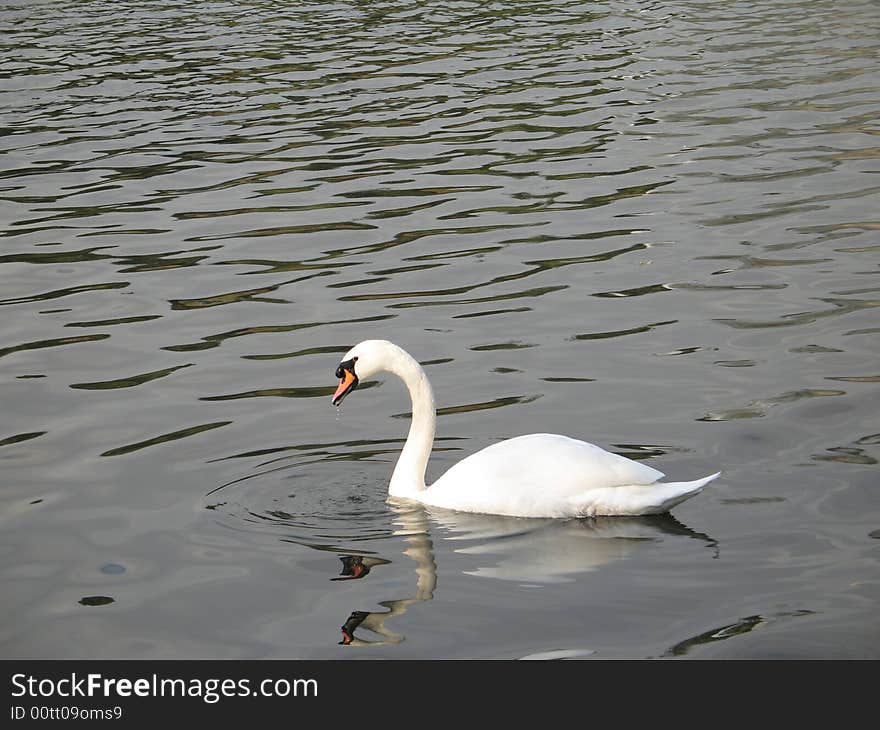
{"x":649,"y":225}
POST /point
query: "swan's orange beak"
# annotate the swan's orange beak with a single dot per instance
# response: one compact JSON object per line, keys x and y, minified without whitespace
{"x":348,"y":382}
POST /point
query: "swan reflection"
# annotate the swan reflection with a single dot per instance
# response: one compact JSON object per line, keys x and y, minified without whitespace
{"x":503,"y":548}
{"x":413,"y":524}
{"x":553,"y":551}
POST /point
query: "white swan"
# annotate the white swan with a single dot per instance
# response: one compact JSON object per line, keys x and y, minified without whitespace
{"x":539,"y":475}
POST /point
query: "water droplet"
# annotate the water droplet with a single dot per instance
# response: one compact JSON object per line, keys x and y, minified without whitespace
{"x":112,"y":568}
{"x":96,"y":600}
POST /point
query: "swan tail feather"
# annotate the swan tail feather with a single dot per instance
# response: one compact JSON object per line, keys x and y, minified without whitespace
{"x":677,"y":492}
{"x":647,"y":499}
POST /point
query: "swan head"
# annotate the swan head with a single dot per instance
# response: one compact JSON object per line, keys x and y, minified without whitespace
{"x":361,"y":361}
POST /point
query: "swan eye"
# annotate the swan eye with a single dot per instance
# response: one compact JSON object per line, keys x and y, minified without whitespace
{"x":346,"y":367}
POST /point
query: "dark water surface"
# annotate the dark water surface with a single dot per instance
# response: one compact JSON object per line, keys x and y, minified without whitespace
{"x":650,"y":225}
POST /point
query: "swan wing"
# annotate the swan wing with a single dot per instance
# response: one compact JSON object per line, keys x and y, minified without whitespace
{"x":535,"y":475}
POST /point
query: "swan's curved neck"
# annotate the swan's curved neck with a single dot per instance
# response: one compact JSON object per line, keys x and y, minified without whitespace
{"x":408,"y":478}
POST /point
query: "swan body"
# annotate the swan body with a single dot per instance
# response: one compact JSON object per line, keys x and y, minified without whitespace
{"x":538,"y":475}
